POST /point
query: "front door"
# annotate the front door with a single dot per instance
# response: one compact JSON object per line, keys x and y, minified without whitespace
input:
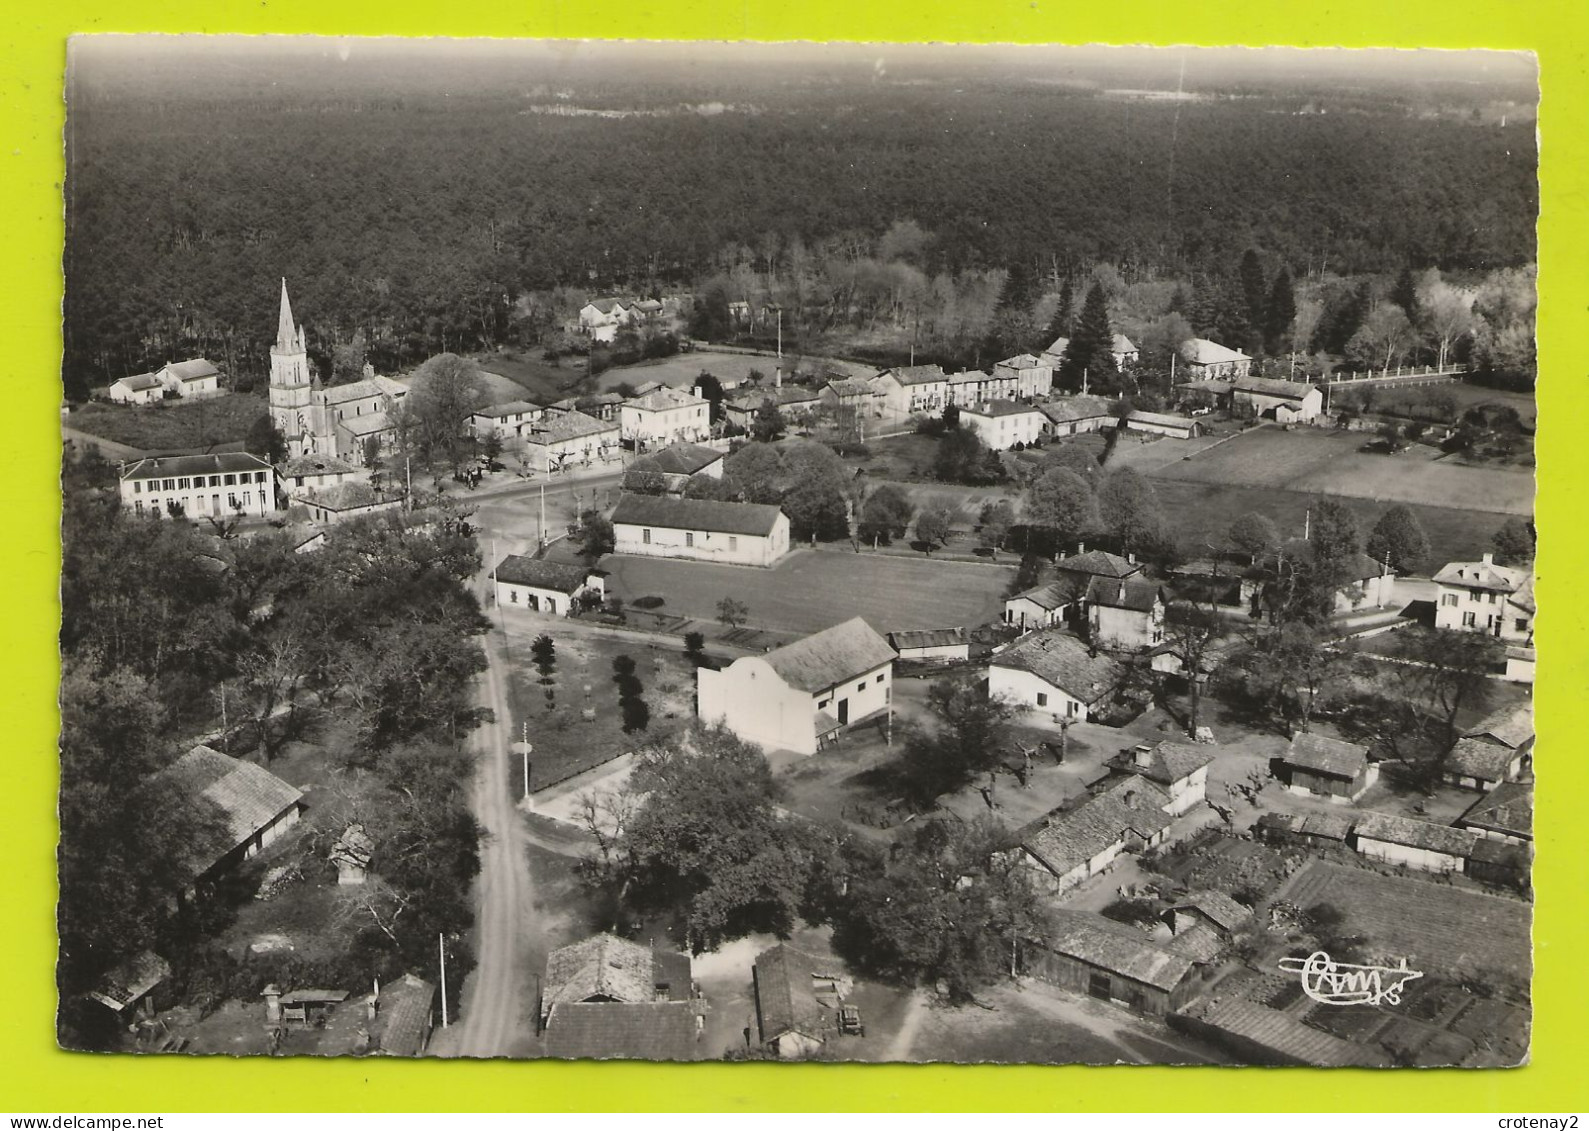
{"x":844,"y":712}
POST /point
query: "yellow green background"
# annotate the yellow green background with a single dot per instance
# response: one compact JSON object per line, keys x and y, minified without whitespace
{"x":36,"y":1077}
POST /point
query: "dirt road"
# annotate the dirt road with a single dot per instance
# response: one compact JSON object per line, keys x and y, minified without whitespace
{"x":498,"y":1008}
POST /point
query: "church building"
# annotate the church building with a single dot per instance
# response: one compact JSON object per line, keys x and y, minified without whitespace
{"x":318,"y":421}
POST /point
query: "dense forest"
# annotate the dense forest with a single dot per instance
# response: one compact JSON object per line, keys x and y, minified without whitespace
{"x":436,"y":206}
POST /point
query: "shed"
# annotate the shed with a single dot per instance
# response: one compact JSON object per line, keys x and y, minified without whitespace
{"x":1327,"y":767}
{"x":1089,"y":954}
{"x":1415,"y":844}
{"x":129,"y":986}
{"x":931,"y":644}
{"x":796,"y":997}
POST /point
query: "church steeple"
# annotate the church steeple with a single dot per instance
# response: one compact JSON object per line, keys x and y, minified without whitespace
{"x":286,"y":332}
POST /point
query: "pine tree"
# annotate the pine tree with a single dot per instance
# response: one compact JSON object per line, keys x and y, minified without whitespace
{"x":1254,"y":288}
{"x":1091,"y":348}
{"x":1060,"y":325}
{"x":1405,"y":294}
{"x":1280,"y":312}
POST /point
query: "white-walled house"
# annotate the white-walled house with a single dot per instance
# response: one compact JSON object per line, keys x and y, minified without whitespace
{"x":1207,"y":359}
{"x":974,"y":386}
{"x":914,"y":389}
{"x":197,"y":377}
{"x":314,"y":472}
{"x":1003,"y":424}
{"x":544,"y":587}
{"x":1411,"y":843}
{"x":222,"y":484}
{"x":1053,"y":672}
{"x":1125,"y":613}
{"x":1178,"y":768}
{"x":705,"y":530}
{"x":800,"y":696}
{"x":1496,"y":750}
{"x":1029,"y":375}
{"x":1288,"y":402}
{"x":1484,"y":597}
{"x":1082,"y":839}
{"x":600,"y":319}
{"x":140,"y":388}
{"x":1071,"y":416}
{"x":507,"y":421}
{"x":680,"y":463}
{"x":560,"y":441}
{"x":664,"y":416}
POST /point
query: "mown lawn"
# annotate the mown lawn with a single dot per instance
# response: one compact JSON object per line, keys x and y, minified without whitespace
{"x":173,"y":425}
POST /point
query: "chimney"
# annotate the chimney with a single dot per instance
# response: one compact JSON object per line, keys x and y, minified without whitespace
{"x":1142,"y":756}
{"x":1489,"y":559}
{"x":272,"y":996}
{"x":1081,"y":547}
{"x":1131,"y":559}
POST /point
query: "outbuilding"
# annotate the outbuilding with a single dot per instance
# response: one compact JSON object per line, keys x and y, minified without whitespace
{"x":539,"y":586}
{"x":1327,"y":767}
{"x":931,"y":645}
{"x":1086,"y":953}
{"x":1423,"y":845}
{"x":705,"y":530}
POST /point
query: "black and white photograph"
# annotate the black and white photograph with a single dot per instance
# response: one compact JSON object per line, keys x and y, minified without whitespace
{"x":797,"y":552}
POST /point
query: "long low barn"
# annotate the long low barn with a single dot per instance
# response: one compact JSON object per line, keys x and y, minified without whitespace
{"x":701,"y":529}
{"x":1092,"y":955}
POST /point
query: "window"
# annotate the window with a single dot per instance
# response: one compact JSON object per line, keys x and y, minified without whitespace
{"x":689,"y":538}
{"x":259,"y":477}
{"x":1070,"y":709}
{"x":137,"y":487}
{"x":168,"y":484}
{"x":231,"y":481}
{"x":880,"y":676}
{"x":861,"y":686}
{"x":645,"y":536}
{"x":1522,"y":624}
{"x":1467,"y":620}
{"x":733,"y":543}
{"x":1448,"y":599}
{"x":215,"y":481}
{"x":1042,"y":698}
{"x":182,"y":484}
{"x":513,"y":596}
{"x":1494,"y":598}
{"x":823,"y":705}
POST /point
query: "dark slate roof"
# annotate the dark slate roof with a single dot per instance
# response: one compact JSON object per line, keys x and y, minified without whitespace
{"x":1066,"y":838}
{"x":140,"y":381}
{"x":215,"y":463}
{"x":602,"y":967}
{"x":130,"y":980}
{"x":506,"y":409}
{"x":651,"y":1030}
{"x":367,"y":387}
{"x":786,"y":1001}
{"x":1480,"y":758}
{"x":516,"y":569}
{"x":685,"y":459}
{"x":918,"y":374}
{"x":1508,"y":808}
{"x":1060,"y":659}
{"x":928,"y":638}
{"x":1512,"y":727}
{"x":317,"y":465}
{"x":1118,"y":949}
{"x":827,"y":658}
{"x":1218,"y":908}
{"x":1114,"y":593}
{"x":1168,"y":762}
{"x":248,"y":797}
{"x":1098,"y":563}
{"x":1282,"y":1033}
{"x":1323,"y":755}
{"x":1065,"y":410}
{"x":403,"y":1016}
{"x":1001,"y":408}
{"x":697,"y":514}
{"x":1413,"y":834}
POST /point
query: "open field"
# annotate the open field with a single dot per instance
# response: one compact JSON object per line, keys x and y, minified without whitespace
{"x":1391,"y":399}
{"x":1441,"y":929}
{"x":811,"y":590}
{"x":1324,"y":462}
{"x":537,"y":380}
{"x":170,"y":426}
{"x":682,"y":369}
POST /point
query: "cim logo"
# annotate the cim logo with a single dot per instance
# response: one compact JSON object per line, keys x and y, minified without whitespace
{"x":1341,"y":983}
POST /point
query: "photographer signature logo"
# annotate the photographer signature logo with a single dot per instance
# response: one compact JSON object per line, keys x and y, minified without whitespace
{"x":1342,"y":983}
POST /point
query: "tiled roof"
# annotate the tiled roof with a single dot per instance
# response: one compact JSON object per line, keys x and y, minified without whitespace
{"x":213,"y":464}
{"x":1002,"y":408}
{"x":1413,"y":834}
{"x":1123,"y":344}
{"x":750,"y":400}
{"x":506,"y":409}
{"x":928,"y":638}
{"x":1162,"y":419}
{"x":1169,"y":762}
{"x":1486,"y":851}
{"x":851,"y":387}
{"x":130,"y":980}
{"x":1066,"y":410}
{"x":1508,"y":808}
{"x":1523,"y":598}
{"x":1199,"y":942}
{"x":1022,"y":361}
{"x":602,"y":967}
{"x":1054,"y":595}
{"x":317,"y":465}
{"x":651,"y":1030}
{"x":1218,"y":907}
{"x":1099,"y":563}
{"x":516,"y":569}
{"x":1115,"y":593}
{"x":1323,"y":755}
{"x":712,"y":515}
{"x":555,"y":426}
{"x":685,"y":459}
{"x":918,"y":374}
{"x":1281,"y":1033}
{"x":1063,"y":661}
{"x":1270,"y":387}
{"x":828,"y":658}
{"x":403,"y":1016}
{"x":1117,"y":949}
{"x":1479,"y":758}
{"x":1512,"y":727}
{"x":368,"y":387}
{"x":1482,"y":575}
{"x":138,"y":382}
{"x":349,"y":496}
{"x":663,"y":400}
{"x":195,"y":370}
{"x":605,"y":305}
{"x":1058,"y":346}
{"x":1068,"y":838}
{"x":246,"y":796}
{"x":786,"y":1001}
{"x":1201,"y":351}
{"x":968,"y":377}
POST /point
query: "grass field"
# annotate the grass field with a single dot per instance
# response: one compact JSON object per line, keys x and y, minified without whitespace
{"x":1441,"y":929}
{"x":536,"y":380}
{"x":813,"y":589}
{"x":170,"y":426}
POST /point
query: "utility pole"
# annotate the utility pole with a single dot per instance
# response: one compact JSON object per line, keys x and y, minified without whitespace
{"x":540,"y":530}
{"x":441,"y":946}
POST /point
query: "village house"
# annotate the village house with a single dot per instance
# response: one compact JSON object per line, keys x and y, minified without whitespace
{"x":606,"y":997}
{"x":1287,"y":402}
{"x":1125,"y":614}
{"x":1064,"y":599}
{"x":1123,"y":348}
{"x":1505,"y":814}
{"x":1498,"y":749}
{"x":506,"y":421}
{"x":1327,"y":767}
{"x":1042,"y":606}
{"x":222,"y":484}
{"x":1071,"y":416}
{"x":350,"y":500}
{"x":1206,"y":359}
{"x":313,"y":472}
{"x":1003,"y":424}
{"x":663,"y":416}
{"x":1178,"y":768}
{"x":1032,"y":377}
{"x":597,"y":406}
{"x":703,"y":530}
{"x":602,"y":318}
{"x":1214,"y":581}
{"x":797,"y":1001}
{"x":195,"y":378}
{"x":1422,"y":845}
{"x":1163,"y":424}
{"x":974,"y":386}
{"x":680,"y":463}
{"x":561,"y":441}
{"x":799,"y":697}
{"x":854,"y":395}
{"x":1052,"y":671}
{"x":1082,"y":838}
{"x":239,"y":808}
{"x":931,"y":645}
{"x":545,"y":587}
{"x":1366,"y":584}
{"x":796,"y":404}
{"x":140,"y":388}
{"x":1088,"y":954}
{"x":1484,"y":597}
{"x":913,"y":389}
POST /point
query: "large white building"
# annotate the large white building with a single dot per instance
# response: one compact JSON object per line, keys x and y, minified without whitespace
{"x":800,"y":696}
{"x":1484,"y":597}
{"x":914,"y":388}
{"x":704,"y":530}
{"x":223,"y":484}
{"x":1030,"y":375}
{"x":562,"y":440}
{"x":1205,"y":359}
{"x":1003,"y":424}
{"x":664,"y":416}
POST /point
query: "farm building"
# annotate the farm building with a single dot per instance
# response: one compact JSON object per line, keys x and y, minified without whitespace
{"x":195,"y":378}
{"x":663,"y":416}
{"x":1053,"y":671}
{"x":544,"y":587}
{"x":705,"y":530}
{"x":1212,"y":909}
{"x":1484,"y":597}
{"x":1077,"y":841}
{"x":914,"y":388}
{"x":404,"y":1013}
{"x":129,"y":987}
{"x":1163,"y":424}
{"x":1498,"y":749}
{"x":1495,"y":862}
{"x":1423,"y":845}
{"x":1125,"y":614}
{"x":931,"y":644}
{"x":679,"y":463}
{"x":606,"y":997}
{"x":1043,"y":606}
{"x":1003,"y":424}
{"x":797,"y":999}
{"x":1261,"y":1035}
{"x":239,"y":808}
{"x":506,"y":421}
{"x":1031,"y":376}
{"x":140,"y":388}
{"x":1206,"y":359}
{"x":1313,"y":830}
{"x":1071,"y":416}
{"x":799,"y":697}
{"x":1288,"y":402}
{"x":1089,"y":954}
{"x":1178,"y":768}
{"x":1327,"y":767}
{"x":353,"y":499}
{"x":1505,"y":814}
{"x":219,"y":484}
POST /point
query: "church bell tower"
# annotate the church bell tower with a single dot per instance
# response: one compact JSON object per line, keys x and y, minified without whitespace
{"x":292,"y":407}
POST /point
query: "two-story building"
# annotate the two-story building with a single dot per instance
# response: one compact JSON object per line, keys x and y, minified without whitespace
{"x":913,"y":389}
{"x":796,"y":403}
{"x":222,"y":484}
{"x":1484,"y":597}
{"x":562,"y":441}
{"x":1028,"y":375}
{"x":705,"y":530}
{"x":1003,"y":424}
{"x":1498,"y":749}
{"x":1053,"y":672}
{"x":664,"y":416}
{"x":1083,"y":838}
{"x":1123,"y":348}
{"x":799,"y":697}
{"x":1180,"y":769}
{"x":1205,"y":359}
{"x":507,"y":421}
{"x":602,"y":318}
{"x":1125,"y":614}
{"x":973,"y":387}
{"x":197,"y":377}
